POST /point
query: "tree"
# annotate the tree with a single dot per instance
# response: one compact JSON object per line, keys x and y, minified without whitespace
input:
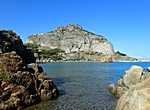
{"x":119,"y":53}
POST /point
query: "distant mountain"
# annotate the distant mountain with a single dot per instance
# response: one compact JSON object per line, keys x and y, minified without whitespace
{"x":72,"y":38}
{"x":78,"y":45}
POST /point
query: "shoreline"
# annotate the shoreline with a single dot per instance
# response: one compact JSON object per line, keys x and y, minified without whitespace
{"x":90,"y":61}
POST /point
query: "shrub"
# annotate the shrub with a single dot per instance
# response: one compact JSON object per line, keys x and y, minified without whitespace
{"x":32,"y":47}
{"x":48,"y":53}
{"x":56,"y":57}
{"x":5,"y":75}
{"x":119,"y":53}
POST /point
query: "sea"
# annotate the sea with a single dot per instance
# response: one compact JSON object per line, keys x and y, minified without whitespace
{"x":84,"y":85}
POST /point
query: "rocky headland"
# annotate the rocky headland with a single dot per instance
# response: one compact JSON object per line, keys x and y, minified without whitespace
{"x":21,"y":85}
{"x":78,"y":45}
{"x":133,"y":89}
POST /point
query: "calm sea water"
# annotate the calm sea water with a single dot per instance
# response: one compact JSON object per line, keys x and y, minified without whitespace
{"x":83,"y":85}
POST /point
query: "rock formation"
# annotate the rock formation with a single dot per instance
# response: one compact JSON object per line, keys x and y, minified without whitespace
{"x":73,"y":38}
{"x":135,"y":100}
{"x":11,"y":62}
{"x":132,"y":89}
{"x":21,"y":86}
{"x":10,"y":41}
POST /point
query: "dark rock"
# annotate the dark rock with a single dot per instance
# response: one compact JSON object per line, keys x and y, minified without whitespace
{"x":11,"y":62}
{"x":24,"y":87}
{"x":48,"y":84}
{"x":37,"y":69}
{"x":20,"y":86}
{"x":10,"y":41}
{"x":46,"y":94}
{"x":148,"y":69}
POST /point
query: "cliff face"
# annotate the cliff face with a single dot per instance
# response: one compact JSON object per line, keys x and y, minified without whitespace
{"x":73,"y":38}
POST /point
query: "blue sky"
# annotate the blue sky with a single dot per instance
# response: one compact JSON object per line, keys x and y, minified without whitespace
{"x":125,"y":23}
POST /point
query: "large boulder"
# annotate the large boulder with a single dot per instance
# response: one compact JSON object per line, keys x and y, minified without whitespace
{"x":21,"y":86}
{"x":133,"y":89}
{"x":133,"y":76}
{"x":23,"y":89}
{"x":11,"y":62}
{"x":135,"y":100}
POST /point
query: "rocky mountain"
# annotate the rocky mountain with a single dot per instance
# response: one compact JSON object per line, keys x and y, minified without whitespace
{"x":73,"y":38}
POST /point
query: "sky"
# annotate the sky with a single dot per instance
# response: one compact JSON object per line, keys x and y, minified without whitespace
{"x":125,"y":23}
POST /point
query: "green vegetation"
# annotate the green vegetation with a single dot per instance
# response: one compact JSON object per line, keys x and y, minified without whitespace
{"x":32,"y":47}
{"x":5,"y":75}
{"x":53,"y":53}
{"x":119,"y":53}
{"x":56,"y":57}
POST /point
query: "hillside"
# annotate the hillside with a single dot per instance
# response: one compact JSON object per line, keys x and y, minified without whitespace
{"x":72,"y":38}
{"x":75,"y":44}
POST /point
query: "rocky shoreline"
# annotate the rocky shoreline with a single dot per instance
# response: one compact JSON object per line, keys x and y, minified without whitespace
{"x":21,"y":85}
{"x":132,"y":89}
{"x":24,"y":86}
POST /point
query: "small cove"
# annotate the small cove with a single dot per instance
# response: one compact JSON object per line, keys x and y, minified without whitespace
{"x":83,"y":85}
